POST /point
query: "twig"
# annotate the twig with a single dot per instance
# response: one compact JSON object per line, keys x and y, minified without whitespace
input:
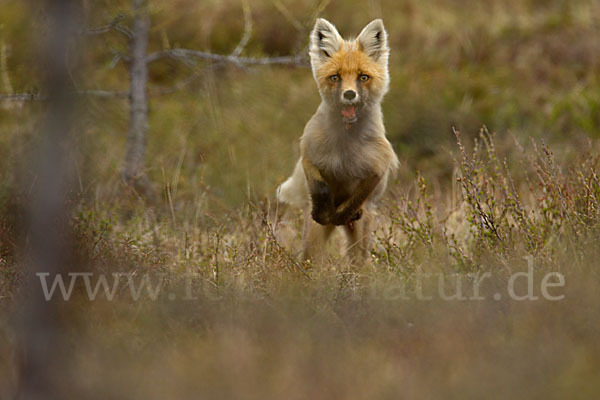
{"x":288,"y":15}
{"x":22,"y":97}
{"x":247,"y":30}
{"x":113,"y":25}
{"x":123,"y":31}
{"x":108,"y":94}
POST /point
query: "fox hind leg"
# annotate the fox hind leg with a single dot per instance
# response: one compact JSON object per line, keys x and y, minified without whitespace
{"x":314,"y":241}
{"x":358,"y":238}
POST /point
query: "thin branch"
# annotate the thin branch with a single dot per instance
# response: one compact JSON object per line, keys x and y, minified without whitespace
{"x":247,"y":29}
{"x":288,"y":15}
{"x":113,"y":25}
{"x":97,"y":31}
{"x":118,"y":56}
{"x":22,"y":97}
{"x":123,"y":31}
{"x":108,"y":94}
{"x":187,"y":54}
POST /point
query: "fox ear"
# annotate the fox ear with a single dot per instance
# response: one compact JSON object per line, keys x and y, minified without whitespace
{"x":373,"y":40}
{"x":324,"y":39}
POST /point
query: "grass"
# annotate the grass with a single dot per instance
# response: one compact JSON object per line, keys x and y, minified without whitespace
{"x":265,"y":325}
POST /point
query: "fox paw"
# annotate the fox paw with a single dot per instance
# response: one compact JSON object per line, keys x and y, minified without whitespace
{"x":356,"y":216}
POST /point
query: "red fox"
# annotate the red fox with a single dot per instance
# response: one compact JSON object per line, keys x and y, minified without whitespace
{"x":345,"y":157}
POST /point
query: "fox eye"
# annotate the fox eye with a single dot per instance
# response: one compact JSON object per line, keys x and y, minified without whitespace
{"x":334,"y":78}
{"x":364,"y":77}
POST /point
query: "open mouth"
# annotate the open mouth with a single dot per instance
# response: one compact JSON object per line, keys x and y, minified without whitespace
{"x":349,"y":114}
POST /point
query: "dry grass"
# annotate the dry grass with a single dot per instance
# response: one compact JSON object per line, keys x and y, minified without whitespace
{"x":264,"y":325}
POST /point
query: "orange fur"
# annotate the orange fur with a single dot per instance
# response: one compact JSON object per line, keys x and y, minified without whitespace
{"x":350,"y":62}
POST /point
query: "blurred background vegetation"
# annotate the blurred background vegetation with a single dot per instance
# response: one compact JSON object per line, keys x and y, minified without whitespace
{"x":525,"y":68}
{"x":265,"y":325}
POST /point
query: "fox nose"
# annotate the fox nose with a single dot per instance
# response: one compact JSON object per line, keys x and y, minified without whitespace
{"x":349,"y":94}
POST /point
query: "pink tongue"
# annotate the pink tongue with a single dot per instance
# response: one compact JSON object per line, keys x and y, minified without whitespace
{"x":349,"y":112}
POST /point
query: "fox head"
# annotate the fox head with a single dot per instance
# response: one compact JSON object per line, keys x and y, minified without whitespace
{"x":351,"y":74}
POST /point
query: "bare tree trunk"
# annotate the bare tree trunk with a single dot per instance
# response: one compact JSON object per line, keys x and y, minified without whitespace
{"x":41,"y":346}
{"x":133,"y":172}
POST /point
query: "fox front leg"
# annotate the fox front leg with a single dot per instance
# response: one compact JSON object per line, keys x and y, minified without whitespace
{"x":350,"y":210}
{"x":320,"y":194}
